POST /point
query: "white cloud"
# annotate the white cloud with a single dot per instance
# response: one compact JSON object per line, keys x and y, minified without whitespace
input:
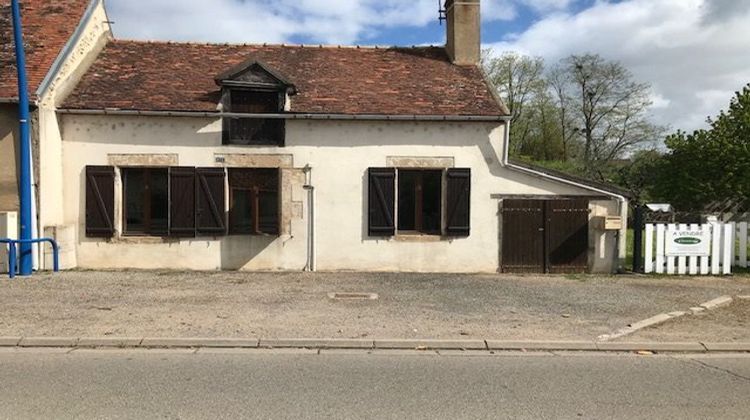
{"x":325,"y":21}
{"x":693,"y":52}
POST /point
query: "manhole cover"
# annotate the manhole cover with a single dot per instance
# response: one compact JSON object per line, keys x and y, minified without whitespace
{"x":352,"y":296}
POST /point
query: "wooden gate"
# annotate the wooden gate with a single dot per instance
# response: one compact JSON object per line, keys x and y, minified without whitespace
{"x":545,"y":236}
{"x":523,"y":236}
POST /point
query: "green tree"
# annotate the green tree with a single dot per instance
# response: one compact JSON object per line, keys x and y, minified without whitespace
{"x":709,"y":164}
{"x":519,"y":79}
{"x":640,"y":175}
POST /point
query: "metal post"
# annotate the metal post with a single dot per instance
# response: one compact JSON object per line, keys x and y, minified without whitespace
{"x":638,"y":227}
{"x":26,"y":260}
{"x":11,"y":259}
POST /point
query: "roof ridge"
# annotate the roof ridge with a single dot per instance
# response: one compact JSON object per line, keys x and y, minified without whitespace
{"x":280,"y":45}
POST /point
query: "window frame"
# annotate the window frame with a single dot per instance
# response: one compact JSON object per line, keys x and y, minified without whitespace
{"x":147,"y":202}
{"x":383,"y":203}
{"x":229,"y":140}
{"x":255,"y":197}
{"x":419,"y":195}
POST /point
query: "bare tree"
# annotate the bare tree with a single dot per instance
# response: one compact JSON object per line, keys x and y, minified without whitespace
{"x":557,"y":79}
{"x":608,"y":107}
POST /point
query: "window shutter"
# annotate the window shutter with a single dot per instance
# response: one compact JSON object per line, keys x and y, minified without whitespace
{"x":381,"y":200}
{"x":210,"y":209}
{"x":100,"y":201}
{"x":458,"y":202}
{"x":182,"y":202}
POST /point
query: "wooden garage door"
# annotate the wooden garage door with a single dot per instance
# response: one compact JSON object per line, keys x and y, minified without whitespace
{"x":567,"y":236}
{"x":545,"y":236}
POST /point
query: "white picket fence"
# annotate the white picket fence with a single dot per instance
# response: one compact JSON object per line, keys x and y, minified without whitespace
{"x":728,"y":249}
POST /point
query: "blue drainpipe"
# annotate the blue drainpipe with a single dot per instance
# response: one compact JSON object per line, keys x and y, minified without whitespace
{"x":26,"y":263}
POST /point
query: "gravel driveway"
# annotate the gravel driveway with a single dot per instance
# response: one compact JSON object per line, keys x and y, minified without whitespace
{"x":296,"y":305}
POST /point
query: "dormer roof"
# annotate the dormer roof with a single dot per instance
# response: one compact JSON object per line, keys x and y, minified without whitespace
{"x":253,"y":73}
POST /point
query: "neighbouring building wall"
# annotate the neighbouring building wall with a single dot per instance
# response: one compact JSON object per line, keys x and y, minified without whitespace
{"x":8,"y":157}
{"x":338,"y":154}
{"x":92,"y":38}
{"x":604,"y":244}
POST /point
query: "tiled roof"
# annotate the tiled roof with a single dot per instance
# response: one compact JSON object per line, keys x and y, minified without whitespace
{"x":158,"y":76}
{"x":47,"y":26}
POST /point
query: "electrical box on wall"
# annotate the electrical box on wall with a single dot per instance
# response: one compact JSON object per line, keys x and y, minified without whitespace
{"x":8,"y":229}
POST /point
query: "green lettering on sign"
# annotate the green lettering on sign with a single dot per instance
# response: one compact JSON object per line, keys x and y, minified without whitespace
{"x":688,"y":241}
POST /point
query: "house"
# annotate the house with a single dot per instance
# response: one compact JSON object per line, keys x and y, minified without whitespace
{"x":291,"y":157}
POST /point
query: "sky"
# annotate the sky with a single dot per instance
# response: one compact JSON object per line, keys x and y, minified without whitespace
{"x":694,"y":53}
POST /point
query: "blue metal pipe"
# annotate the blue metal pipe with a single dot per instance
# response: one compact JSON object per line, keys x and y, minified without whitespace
{"x":12,"y":243}
{"x":24,"y":182}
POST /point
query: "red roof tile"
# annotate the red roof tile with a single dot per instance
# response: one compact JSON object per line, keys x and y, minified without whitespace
{"x":47,"y":26}
{"x":159,"y":76}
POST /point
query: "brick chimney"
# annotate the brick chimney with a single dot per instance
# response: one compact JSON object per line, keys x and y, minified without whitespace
{"x":464,"y":31}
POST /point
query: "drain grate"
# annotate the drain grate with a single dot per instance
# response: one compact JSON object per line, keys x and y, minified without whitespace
{"x":352,"y":296}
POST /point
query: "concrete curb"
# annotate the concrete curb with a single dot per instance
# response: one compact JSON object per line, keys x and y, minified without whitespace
{"x":712,"y":304}
{"x":156,"y":342}
{"x":653,"y":347}
{"x":542,"y":345}
{"x":312,"y":343}
{"x":48,"y":342}
{"x":109,"y":342}
{"x":727,"y":347}
{"x":9,"y":341}
{"x":358,"y":344}
{"x":431,"y":344}
{"x":716,"y":303}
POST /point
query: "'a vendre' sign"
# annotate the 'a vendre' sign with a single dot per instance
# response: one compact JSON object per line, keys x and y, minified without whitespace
{"x":688,"y":243}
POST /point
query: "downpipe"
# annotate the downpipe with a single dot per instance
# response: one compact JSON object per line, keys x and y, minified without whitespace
{"x":310,"y":265}
{"x":623,"y":202}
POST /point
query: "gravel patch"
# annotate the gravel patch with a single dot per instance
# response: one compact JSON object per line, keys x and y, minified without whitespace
{"x":296,"y":305}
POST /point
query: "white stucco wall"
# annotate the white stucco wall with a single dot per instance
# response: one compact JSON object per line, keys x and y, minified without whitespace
{"x":339,"y":153}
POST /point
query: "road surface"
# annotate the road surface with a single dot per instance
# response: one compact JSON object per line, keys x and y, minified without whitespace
{"x":360,"y":385}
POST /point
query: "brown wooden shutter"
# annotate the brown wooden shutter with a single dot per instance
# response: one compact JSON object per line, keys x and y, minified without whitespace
{"x":381,"y":201}
{"x":210,"y":209}
{"x":100,"y":201}
{"x":458,"y":202}
{"x":182,"y":202}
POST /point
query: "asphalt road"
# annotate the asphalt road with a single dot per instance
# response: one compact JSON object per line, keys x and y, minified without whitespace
{"x":354,"y":385}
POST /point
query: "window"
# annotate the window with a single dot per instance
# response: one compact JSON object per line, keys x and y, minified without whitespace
{"x":146,"y":201}
{"x":182,"y":201}
{"x":254,"y":201}
{"x":253,"y":131}
{"x":421,"y":201}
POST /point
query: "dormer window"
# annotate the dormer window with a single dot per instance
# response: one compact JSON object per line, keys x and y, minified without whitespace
{"x":250,"y":91}
{"x":253,"y":130}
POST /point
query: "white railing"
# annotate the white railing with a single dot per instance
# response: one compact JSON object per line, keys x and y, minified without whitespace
{"x":722,"y":255}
